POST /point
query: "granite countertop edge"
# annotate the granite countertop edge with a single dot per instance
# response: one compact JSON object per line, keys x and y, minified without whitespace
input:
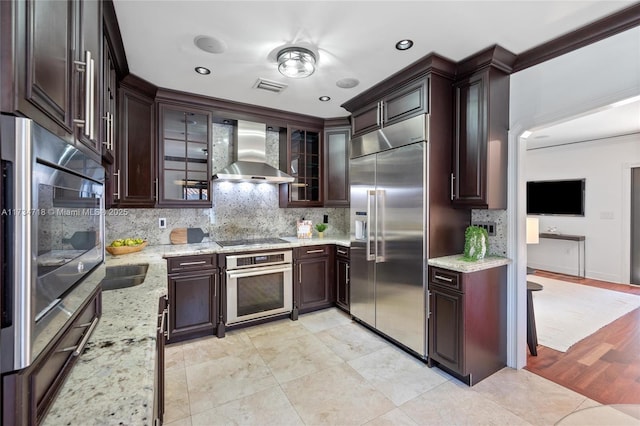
{"x":113,"y":381}
{"x":457,"y":263}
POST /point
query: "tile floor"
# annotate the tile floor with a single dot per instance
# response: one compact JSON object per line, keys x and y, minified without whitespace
{"x":324,"y":369}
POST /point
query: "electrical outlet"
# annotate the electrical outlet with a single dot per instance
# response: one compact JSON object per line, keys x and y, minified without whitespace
{"x":489,"y":226}
{"x":162,"y":222}
{"x":325,"y":219}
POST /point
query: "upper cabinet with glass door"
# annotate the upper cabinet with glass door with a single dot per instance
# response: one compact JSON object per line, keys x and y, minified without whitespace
{"x":303,"y":162}
{"x":184,"y":172}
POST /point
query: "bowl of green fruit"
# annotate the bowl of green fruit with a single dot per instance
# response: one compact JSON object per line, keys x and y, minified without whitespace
{"x":126,"y":246}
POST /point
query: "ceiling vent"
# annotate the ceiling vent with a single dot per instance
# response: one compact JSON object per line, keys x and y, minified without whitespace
{"x":269,"y":85}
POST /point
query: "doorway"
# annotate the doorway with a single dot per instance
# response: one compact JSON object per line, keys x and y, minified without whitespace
{"x":635,"y":226}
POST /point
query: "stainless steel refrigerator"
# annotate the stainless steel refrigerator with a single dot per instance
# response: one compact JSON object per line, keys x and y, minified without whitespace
{"x":388,"y":221}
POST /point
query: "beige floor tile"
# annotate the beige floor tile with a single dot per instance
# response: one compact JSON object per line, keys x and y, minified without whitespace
{"x":602,"y":415}
{"x":350,"y":341}
{"x":182,"y":422}
{"x":397,"y":374}
{"x":337,"y":396}
{"x":211,"y":348}
{"x":536,"y":399}
{"x":324,"y":319}
{"x":176,"y":404}
{"x":222,"y":380}
{"x":395,"y":417}
{"x":454,"y":403}
{"x":298,"y":357}
{"x":274,"y":333}
{"x":267,"y":407}
{"x":173,"y":357}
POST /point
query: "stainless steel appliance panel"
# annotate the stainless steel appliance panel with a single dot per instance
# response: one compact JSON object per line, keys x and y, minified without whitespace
{"x":362,"y":175}
{"x":400,"y":252}
{"x":52,"y":237}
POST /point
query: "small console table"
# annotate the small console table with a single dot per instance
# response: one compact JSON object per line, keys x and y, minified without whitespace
{"x":579,"y":239}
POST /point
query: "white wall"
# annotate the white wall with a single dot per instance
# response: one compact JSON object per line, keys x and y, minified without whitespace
{"x":602,"y":163}
{"x":570,"y":85}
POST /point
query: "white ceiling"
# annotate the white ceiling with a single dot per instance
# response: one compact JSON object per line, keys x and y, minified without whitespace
{"x":354,"y":39}
{"x":621,"y":118}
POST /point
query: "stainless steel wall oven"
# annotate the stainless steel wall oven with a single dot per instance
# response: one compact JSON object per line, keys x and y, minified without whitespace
{"x":258,"y":285}
{"x":52,"y":236}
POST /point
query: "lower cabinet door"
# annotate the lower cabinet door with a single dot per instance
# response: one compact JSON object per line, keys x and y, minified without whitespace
{"x":445,"y":329}
{"x":342,"y":283}
{"x":192,"y":305}
{"x":314,"y":283}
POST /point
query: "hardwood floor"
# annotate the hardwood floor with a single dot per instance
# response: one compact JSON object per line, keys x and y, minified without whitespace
{"x":604,"y":366}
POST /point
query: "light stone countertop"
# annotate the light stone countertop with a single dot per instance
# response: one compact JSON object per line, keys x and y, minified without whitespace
{"x":458,"y":264}
{"x":112,"y":382}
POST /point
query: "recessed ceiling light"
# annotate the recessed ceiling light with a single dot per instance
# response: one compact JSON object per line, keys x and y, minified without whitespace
{"x":324,"y":98}
{"x":347,"y":83}
{"x":203,"y":70}
{"x":404,"y":44}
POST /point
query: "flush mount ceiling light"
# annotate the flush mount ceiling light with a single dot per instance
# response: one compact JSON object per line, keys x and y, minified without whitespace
{"x":296,"y":62}
{"x":202,"y":70}
{"x":404,"y":44}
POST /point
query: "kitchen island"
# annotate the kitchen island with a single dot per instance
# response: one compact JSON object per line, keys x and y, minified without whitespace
{"x":113,"y":381}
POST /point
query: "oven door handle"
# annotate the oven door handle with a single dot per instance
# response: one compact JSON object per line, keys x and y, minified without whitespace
{"x":258,"y":271}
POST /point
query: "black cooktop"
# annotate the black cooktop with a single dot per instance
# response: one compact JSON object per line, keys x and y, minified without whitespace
{"x":251,"y":242}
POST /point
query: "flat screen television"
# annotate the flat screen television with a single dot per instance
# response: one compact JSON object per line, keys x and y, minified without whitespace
{"x":556,"y":197}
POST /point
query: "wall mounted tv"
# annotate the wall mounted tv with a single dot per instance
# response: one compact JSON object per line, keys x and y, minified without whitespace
{"x":556,"y":197}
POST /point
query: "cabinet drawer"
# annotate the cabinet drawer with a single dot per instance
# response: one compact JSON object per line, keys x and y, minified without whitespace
{"x":51,"y":371}
{"x":342,"y":251}
{"x":445,"y":278}
{"x":191,"y":263}
{"x":312,"y":251}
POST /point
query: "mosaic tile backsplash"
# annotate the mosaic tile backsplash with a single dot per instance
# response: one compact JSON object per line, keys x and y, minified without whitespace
{"x":498,"y":242}
{"x":240,"y":210}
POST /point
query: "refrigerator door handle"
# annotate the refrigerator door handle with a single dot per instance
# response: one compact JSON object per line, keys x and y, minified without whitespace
{"x":381,"y":248}
{"x":371,"y":196}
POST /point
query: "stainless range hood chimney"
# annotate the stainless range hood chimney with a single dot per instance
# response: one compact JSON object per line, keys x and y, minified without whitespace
{"x":251,"y":165}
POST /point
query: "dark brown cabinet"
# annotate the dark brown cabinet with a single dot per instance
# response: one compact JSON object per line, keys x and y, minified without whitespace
{"x":109,"y":104}
{"x":53,"y":67}
{"x":313,"y":287}
{"x":336,"y":167}
{"x":161,"y":333}
{"x":193,"y":296}
{"x":479,"y":175}
{"x":29,"y":393}
{"x":467,"y":321}
{"x":135,"y":183}
{"x":342,"y":278}
{"x":303,"y":161}
{"x":183,"y":163}
{"x":402,"y":103}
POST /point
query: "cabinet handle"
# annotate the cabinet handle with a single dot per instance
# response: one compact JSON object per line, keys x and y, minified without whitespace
{"x":109,"y":138}
{"x":440,"y":277}
{"x":200,"y":262}
{"x":215,"y":285}
{"x":315,"y":251}
{"x":381,"y":122}
{"x":92,"y":95}
{"x":86,"y":122}
{"x":157,"y":190}
{"x":168,"y":332}
{"x":116,"y":193}
{"x":342,"y":252}
{"x":85,"y":339}
{"x":300,"y":273}
{"x":452,"y":187}
{"x":162,"y":321}
{"x":346,"y":274}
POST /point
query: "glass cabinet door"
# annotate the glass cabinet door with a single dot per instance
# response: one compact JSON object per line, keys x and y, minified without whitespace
{"x":304,"y":166}
{"x":184,"y":164}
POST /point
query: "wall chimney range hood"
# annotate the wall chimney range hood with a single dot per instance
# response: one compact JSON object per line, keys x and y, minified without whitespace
{"x":251,"y":165}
